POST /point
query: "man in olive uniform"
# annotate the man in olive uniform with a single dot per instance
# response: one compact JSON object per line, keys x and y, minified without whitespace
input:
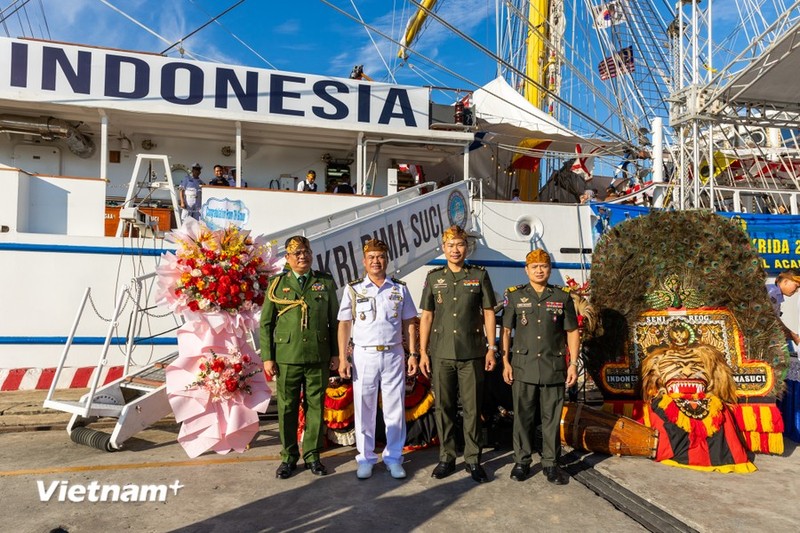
{"x":546,"y":325}
{"x":457,"y":318}
{"x":299,"y":346}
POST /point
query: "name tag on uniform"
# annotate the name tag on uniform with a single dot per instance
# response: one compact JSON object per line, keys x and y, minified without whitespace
{"x":396,"y":296}
{"x":440,"y":285}
{"x":524,"y":305}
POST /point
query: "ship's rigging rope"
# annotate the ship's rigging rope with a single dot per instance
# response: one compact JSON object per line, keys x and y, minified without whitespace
{"x":141,"y":25}
{"x":235,"y":37}
{"x":578,"y":73}
{"x":600,"y":127}
{"x":202,"y":26}
{"x":369,"y":34}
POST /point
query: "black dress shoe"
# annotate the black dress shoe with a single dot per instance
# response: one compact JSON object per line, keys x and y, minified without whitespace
{"x":285,"y":470}
{"x":520,"y":471}
{"x":444,"y":469}
{"x":555,"y":475}
{"x":317,"y":468}
{"x":477,"y":472}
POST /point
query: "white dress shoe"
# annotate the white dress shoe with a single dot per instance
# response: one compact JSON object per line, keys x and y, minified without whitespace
{"x":397,"y":470}
{"x":364,"y":471}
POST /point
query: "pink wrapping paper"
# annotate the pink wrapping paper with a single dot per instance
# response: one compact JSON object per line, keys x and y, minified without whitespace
{"x":223,"y":425}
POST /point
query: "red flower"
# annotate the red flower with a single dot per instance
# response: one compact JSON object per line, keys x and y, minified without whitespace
{"x":206,"y":269}
{"x":218,"y":365}
{"x":194,"y":306}
{"x":245,"y":358}
{"x":237,"y":367}
{"x":232,"y":384}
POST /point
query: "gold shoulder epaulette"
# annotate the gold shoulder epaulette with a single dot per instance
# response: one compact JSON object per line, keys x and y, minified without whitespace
{"x":322,"y":275}
{"x":436,"y":269}
{"x":398,"y":281}
{"x":356,"y":281}
{"x":516,"y":287}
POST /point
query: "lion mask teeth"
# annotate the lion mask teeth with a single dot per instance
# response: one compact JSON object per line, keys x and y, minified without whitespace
{"x":689,"y":386}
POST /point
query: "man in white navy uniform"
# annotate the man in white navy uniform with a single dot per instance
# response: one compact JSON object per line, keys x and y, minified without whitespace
{"x":190,"y":194}
{"x":375,"y":311}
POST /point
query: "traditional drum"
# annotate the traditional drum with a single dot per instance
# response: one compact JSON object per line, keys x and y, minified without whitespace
{"x":597,"y":431}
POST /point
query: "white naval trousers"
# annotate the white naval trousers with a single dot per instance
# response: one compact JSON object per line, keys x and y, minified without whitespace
{"x":374,"y":370}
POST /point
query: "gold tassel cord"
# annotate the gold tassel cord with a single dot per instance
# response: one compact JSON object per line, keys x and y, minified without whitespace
{"x":290,"y":304}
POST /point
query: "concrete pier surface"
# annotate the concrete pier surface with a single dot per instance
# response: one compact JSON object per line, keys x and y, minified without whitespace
{"x":43,"y":470}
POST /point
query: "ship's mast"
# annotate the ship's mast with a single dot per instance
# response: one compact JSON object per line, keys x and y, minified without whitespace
{"x":692,"y":68}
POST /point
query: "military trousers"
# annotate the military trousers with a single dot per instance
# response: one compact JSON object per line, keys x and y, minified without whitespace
{"x":455,"y":380}
{"x":528,"y":399}
{"x":311,"y":380}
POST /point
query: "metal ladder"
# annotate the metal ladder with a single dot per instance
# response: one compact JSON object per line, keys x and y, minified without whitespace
{"x":130,"y":214}
{"x":137,"y":399}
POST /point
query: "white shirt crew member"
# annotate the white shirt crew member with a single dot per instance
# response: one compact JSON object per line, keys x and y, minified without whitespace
{"x":378,"y":313}
{"x":379,"y":363}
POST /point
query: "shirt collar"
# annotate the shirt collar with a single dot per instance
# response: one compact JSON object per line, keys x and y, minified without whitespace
{"x":386,"y":283}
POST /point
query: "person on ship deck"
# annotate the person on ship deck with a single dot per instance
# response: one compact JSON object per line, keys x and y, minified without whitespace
{"x":190,"y":195}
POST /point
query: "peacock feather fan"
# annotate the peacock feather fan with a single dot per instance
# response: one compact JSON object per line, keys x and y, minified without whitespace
{"x":679,"y":259}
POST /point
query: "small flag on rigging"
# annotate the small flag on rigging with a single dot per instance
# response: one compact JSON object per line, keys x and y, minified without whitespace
{"x":619,"y":63}
{"x":608,"y":14}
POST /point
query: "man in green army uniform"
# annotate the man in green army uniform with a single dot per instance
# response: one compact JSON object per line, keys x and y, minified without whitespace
{"x":457,"y":318}
{"x":299,"y":347}
{"x":546,"y":325}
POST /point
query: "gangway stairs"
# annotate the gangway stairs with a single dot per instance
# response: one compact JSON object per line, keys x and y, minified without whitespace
{"x":139,"y":399}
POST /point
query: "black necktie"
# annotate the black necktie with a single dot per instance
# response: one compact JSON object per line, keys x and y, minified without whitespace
{"x":302,"y":281}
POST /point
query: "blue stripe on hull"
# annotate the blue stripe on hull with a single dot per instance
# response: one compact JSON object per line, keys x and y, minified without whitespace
{"x":70,"y":249}
{"x":116,"y":341}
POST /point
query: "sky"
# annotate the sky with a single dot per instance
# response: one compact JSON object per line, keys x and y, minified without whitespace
{"x":298,"y":35}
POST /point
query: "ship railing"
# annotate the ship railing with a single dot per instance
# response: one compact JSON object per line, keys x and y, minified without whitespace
{"x":319,"y":225}
{"x":726,"y":198}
